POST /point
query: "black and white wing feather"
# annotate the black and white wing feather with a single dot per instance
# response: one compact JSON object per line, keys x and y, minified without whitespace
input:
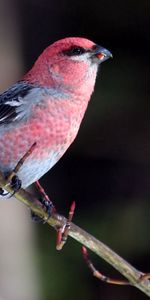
{"x":12,"y":102}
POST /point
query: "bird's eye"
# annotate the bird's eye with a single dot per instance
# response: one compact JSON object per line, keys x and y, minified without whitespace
{"x":74,"y":51}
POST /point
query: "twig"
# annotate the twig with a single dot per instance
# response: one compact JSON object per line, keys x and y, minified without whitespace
{"x":63,"y":233}
{"x":98,"y":274}
{"x":127,"y":270}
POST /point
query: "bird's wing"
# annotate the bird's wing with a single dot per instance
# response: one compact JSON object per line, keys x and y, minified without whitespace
{"x":11,"y":102}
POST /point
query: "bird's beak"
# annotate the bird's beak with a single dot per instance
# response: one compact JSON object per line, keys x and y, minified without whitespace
{"x":101,"y":53}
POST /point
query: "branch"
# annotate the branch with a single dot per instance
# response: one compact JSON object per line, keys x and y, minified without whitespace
{"x":127,"y":270}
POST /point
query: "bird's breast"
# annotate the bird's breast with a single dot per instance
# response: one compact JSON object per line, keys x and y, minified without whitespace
{"x":59,"y":122}
{"x":53,"y":128}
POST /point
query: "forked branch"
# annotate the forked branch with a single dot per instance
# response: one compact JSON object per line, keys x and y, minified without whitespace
{"x":128,"y":271}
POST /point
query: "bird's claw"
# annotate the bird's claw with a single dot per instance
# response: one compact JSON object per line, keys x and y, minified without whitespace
{"x":46,"y":203}
{"x":48,"y":207}
{"x":14,"y":182}
{"x":35,"y":217}
{"x":3,"y":193}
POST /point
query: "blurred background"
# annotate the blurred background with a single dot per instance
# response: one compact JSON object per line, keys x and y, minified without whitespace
{"x":106,"y":170}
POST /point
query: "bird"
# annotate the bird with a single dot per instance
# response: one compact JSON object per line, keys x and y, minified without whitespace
{"x":46,"y":106}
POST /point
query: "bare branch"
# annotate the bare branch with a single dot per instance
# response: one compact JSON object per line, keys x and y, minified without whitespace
{"x":128,"y":271}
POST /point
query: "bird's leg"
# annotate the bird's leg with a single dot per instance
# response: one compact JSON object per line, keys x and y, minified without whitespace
{"x":62,"y":233}
{"x":99,"y":275}
{"x":46,"y":204}
{"x":12,"y":178}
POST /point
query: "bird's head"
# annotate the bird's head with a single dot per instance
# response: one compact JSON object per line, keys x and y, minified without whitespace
{"x":70,"y":63}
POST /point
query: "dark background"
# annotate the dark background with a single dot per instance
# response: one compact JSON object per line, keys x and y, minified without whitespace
{"x":107,"y":169}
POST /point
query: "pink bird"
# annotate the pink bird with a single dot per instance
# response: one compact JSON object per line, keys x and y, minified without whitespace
{"x":46,"y":107}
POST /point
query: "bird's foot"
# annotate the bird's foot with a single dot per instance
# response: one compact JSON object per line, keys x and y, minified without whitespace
{"x":46,"y":203}
{"x":62,"y":232}
{"x":14,"y":182}
{"x":12,"y":179}
{"x":2,"y":192}
{"x":49,"y":209}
